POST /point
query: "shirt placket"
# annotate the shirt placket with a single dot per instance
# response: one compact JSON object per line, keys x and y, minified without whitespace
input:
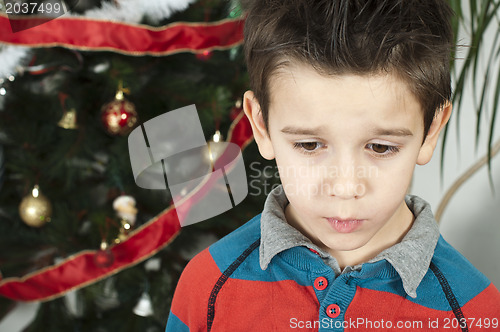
{"x":334,"y":296}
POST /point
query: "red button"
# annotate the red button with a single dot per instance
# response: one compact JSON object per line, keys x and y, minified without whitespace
{"x":333,"y":311}
{"x":320,"y":283}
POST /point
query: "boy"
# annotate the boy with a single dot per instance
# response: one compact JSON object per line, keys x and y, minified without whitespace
{"x":348,"y":96}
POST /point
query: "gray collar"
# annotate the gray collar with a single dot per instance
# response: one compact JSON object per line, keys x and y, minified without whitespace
{"x":410,"y":258}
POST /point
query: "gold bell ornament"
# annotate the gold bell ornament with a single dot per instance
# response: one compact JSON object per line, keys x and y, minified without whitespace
{"x":68,"y":120}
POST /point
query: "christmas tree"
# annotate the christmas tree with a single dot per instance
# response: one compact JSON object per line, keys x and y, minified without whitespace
{"x":67,"y":189}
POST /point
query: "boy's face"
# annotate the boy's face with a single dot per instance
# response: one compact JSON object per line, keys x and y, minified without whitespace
{"x":346,"y":147}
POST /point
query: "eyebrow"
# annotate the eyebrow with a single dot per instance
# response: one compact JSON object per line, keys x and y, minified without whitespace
{"x":303,"y":131}
{"x":400,"y":132}
{"x":392,"y":132}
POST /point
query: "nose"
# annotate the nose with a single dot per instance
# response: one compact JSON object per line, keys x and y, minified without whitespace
{"x":345,"y":179}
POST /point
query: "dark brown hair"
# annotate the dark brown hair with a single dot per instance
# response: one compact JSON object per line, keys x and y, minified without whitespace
{"x":411,"y":39}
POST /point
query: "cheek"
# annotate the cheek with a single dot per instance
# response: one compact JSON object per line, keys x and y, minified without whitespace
{"x":300,"y":182}
{"x":299,"y":187}
{"x":394,"y":178}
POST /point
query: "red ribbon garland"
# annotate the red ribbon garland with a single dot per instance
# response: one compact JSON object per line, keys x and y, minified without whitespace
{"x":80,"y":270}
{"x":132,"y":39}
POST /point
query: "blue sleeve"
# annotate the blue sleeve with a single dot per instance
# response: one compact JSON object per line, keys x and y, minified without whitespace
{"x":174,"y":324}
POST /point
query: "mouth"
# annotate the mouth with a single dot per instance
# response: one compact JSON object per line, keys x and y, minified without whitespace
{"x":344,"y":225}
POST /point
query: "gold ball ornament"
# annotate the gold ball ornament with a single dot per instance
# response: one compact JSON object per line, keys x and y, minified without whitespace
{"x":35,"y":209}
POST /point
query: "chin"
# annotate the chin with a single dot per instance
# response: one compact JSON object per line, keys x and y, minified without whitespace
{"x":344,"y":245}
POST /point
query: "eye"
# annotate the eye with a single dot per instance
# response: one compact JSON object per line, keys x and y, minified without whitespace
{"x":308,"y":147}
{"x":382,"y":150}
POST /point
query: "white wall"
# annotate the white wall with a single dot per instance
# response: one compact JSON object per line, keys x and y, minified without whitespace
{"x":471,"y":221}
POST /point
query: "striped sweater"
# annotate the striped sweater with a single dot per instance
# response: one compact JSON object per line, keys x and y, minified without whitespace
{"x":224,"y":288}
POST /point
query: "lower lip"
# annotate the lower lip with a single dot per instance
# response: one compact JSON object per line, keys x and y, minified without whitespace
{"x":344,"y":226}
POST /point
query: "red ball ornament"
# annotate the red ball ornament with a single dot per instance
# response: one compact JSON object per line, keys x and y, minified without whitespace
{"x":104,"y":257}
{"x":204,"y":55}
{"x":119,"y":116}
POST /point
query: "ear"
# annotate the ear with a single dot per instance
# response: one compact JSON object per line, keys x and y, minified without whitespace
{"x":440,"y":120}
{"x":251,"y":107}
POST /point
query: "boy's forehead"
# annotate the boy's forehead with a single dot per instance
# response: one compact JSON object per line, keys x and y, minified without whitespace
{"x":301,"y":97}
{"x":298,"y":75}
